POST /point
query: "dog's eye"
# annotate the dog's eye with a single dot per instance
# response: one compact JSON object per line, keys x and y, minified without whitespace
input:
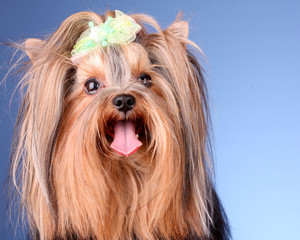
{"x":145,"y":79}
{"x":92,"y":85}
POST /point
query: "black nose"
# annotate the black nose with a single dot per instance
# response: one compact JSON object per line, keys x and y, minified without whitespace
{"x":124,"y":102}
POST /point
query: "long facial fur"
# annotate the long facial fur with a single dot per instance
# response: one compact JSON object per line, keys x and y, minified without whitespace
{"x":72,"y":182}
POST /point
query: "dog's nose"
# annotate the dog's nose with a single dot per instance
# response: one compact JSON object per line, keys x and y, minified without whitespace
{"x":124,"y":102}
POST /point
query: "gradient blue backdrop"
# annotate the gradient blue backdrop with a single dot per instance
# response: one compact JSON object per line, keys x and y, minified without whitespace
{"x":253,"y":50}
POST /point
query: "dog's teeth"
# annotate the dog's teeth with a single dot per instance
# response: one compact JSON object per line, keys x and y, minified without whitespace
{"x":137,"y":136}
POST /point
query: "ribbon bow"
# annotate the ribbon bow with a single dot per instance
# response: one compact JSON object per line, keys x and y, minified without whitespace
{"x":119,"y":30}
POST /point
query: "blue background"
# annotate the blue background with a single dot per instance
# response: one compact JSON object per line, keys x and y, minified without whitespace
{"x":253,"y":51}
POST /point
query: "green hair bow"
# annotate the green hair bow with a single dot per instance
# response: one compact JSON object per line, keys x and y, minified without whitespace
{"x":119,"y":30}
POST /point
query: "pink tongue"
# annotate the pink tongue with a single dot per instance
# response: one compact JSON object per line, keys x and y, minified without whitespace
{"x":125,"y":141}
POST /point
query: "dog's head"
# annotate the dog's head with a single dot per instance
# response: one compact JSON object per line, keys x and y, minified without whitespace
{"x":113,"y":145}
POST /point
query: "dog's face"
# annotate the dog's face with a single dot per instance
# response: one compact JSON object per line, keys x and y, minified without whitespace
{"x":120,"y":147}
{"x":120,"y":98}
{"x":114,"y":98}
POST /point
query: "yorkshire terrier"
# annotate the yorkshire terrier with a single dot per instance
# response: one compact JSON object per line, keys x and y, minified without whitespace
{"x":112,"y":137}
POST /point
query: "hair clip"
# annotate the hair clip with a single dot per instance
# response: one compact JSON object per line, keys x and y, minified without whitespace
{"x":119,"y":30}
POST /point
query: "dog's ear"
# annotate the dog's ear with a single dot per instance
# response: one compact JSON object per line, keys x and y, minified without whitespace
{"x":33,"y":47}
{"x":180,"y":29}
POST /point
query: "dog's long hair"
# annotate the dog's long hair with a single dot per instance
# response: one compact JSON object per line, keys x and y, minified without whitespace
{"x":72,"y":184}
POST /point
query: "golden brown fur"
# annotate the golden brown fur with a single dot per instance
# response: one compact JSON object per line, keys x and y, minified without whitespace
{"x":71,"y":182}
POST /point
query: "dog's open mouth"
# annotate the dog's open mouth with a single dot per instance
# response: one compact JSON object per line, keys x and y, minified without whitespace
{"x":124,"y":136}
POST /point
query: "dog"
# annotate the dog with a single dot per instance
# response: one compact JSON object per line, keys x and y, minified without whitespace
{"x":112,"y":139}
